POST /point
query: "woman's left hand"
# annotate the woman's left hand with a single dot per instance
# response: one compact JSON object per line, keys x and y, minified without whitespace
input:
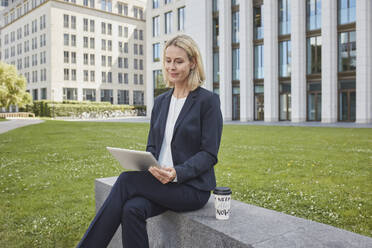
{"x":164,"y":175}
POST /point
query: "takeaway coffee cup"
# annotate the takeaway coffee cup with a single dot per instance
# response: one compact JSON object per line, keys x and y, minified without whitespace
{"x":222,"y":200}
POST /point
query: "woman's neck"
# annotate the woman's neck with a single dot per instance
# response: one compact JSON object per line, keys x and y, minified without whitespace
{"x":180,"y":91}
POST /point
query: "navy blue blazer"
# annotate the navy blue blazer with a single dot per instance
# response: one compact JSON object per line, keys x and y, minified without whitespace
{"x":196,"y":137}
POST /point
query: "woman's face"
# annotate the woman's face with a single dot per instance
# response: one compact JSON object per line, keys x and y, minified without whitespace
{"x":177,"y":65}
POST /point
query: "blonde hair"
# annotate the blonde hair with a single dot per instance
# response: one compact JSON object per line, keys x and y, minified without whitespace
{"x":196,"y":77}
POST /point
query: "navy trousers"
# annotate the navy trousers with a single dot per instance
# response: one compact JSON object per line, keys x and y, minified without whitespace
{"x":136,"y":196}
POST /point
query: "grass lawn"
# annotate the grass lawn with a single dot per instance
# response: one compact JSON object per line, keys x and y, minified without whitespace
{"x":3,"y":119}
{"x":47,"y":174}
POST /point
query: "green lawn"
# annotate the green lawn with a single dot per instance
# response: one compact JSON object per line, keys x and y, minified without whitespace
{"x":3,"y":119}
{"x":47,"y":174}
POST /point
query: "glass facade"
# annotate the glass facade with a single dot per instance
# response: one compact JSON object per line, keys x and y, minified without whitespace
{"x":215,"y":32}
{"x":347,"y":100}
{"x":285,"y":58}
{"x":235,"y":27}
{"x":259,"y":62}
{"x":235,"y":64}
{"x":258,"y":22}
{"x":138,"y":97}
{"x":313,"y":14}
{"x":284,"y":17}
{"x":314,"y":101}
{"x":314,"y":55}
{"x":346,"y":51}
{"x":216,"y":67}
{"x":285,"y":101}
{"x":259,"y":102}
{"x":346,"y":11}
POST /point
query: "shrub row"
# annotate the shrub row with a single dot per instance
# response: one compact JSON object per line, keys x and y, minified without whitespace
{"x":79,"y":109}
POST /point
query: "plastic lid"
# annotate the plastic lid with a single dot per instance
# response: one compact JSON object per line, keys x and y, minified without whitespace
{"x":222,"y":191}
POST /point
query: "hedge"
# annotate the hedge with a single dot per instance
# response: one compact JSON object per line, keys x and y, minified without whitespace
{"x":76,"y":108}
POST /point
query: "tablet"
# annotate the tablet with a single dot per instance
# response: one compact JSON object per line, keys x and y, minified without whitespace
{"x":132,"y":159}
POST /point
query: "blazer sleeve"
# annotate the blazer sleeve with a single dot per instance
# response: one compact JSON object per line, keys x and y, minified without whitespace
{"x":211,"y":130}
{"x":151,"y":139}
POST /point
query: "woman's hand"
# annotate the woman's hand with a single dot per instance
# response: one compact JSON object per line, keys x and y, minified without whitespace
{"x":164,"y":175}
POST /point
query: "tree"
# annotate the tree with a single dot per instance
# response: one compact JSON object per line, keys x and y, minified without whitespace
{"x":12,"y":87}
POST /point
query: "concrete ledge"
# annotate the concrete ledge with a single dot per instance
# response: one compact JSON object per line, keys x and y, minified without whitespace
{"x":248,"y":226}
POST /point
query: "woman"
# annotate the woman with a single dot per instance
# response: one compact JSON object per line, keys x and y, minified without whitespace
{"x":185,"y":133}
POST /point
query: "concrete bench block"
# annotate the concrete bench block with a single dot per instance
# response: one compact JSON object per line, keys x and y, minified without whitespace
{"x":248,"y":226}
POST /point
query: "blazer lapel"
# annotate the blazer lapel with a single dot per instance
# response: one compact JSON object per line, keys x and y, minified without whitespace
{"x":185,"y":109}
{"x":164,"y":115}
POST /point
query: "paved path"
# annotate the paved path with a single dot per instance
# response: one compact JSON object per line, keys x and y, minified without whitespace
{"x":258,"y":123}
{"x":8,"y":125}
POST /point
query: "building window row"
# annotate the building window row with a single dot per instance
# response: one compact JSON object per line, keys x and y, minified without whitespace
{"x":168,"y":22}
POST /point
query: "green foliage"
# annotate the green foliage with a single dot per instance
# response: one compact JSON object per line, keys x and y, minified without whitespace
{"x":12,"y":87}
{"x":47,"y":174}
{"x":76,"y":108}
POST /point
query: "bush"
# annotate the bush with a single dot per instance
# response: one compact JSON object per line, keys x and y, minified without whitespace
{"x":83,"y":109}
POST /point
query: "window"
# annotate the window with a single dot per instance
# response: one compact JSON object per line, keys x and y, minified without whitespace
{"x":314,"y":101}
{"x":141,"y":34}
{"x":85,"y":3}
{"x":141,"y":79}
{"x":158,"y":80}
{"x":126,"y":63}
{"x":216,"y":66}
{"x":73,"y":57}
{"x":85,"y":55}
{"x":285,"y":101}
{"x":85,"y":24}
{"x":92,"y":43}
{"x":109,"y":29}
{"x":156,"y":52}
{"x":85,"y":43}
{"x":168,"y":22}
{"x":123,"y":97}
{"x":66,"y":57}
{"x":141,"y":64}
{"x":73,"y":40}
{"x":314,"y":55}
{"x":103,"y":28}
{"x":103,"y":77}
{"x":258,"y":23}
{"x":65,"y":21}
{"x":167,"y":1}
{"x":43,"y":93}
{"x":109,"y":60}
{"x":120,"y":78}
{"x":135,"y":34}
{"x":92,"y":60}
{"x":235,"y":64}
{"x":126,"y":32}
{"x":89,"y":95}
{"x":109,"y":77}
{"x":135,"y":79}
{"x":107,"y":96}
{"x":103,"y":45}
{"x":259,"y":62}
{"x":92,"y":76}
{"x":141,"y":49}
{"x":126,"y":47}
{"x":284,"y":17}
{"x":66,"y":75}
{"x":135,"y":64}
{"x":347,"y":100}
{"x":73,"y":75}
{"x":215,"y":32}
{"x":313,"y":14}
{"x":155,"y":4}
{"x":103,"y":60}
{"x":91,"y":26}
{"x":120,"y":31}
{"x":285,"y":59}
{"x":181,"y":19}
{"x":235,"y":27}
{"x":109,"y":45}
{"x":73,"y":22}
{"x":85,"y":72}
{"x":346,"y":51}
{"x":138,"y":97}
{"x":135,"y":48}
{"x":65,"y":39}
{"x":70,"y":94}
{"x":346,"y":11}
{"x":35,"y":94}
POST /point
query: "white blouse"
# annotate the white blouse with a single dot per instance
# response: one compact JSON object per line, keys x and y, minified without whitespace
{"x":165,"y":156}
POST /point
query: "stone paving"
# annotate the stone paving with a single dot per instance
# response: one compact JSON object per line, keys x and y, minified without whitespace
{"x":11,"y":124}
